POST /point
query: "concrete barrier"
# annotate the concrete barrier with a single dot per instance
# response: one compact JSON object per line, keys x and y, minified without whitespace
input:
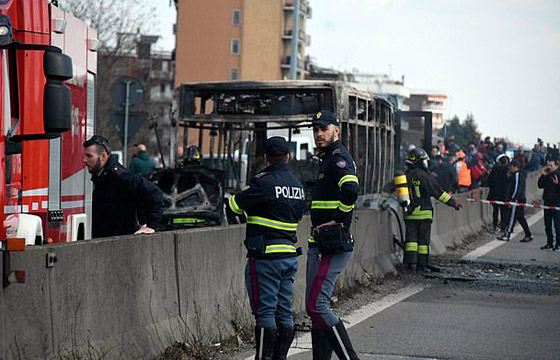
{"x":451,"y":227}
{"x":133,"y":296}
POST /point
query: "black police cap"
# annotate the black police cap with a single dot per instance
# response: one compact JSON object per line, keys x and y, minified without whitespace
{"x":325,"y":118}
{"x":276,"y":146}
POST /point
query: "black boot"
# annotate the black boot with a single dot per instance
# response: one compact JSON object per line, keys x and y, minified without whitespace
{"x":283,"y":342}
{"x":322,"y":349}
{"x":340,"y":342}
{"x":265,"y":339}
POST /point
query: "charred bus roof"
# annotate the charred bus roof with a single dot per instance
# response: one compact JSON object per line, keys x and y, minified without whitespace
{"x":266,"y":101}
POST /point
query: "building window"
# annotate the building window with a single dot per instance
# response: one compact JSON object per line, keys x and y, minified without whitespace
{"x":236,"y":17}
{"x":233,"y":74}
{"x":235,"y":46}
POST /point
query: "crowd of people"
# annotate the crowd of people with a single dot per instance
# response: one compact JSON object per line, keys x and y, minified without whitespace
{"x":489,"y":164}
{"x":461,"y":170}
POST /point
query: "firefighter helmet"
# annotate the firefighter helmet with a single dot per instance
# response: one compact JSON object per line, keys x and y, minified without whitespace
{"x":192,"y":156}
{"x":417,"y":157}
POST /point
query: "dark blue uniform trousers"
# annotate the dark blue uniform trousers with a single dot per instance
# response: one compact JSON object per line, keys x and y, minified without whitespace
{"x":322,"y":271}
{"x":270,"y":286}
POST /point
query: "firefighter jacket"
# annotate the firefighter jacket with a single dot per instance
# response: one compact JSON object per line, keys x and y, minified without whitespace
{"x":122,"y":200}
{"x":337,"y":187}
{"x":423,"y":187}
{"x":274,"y":203}
{"x":464,"y":173}
{"x":516,"y":187}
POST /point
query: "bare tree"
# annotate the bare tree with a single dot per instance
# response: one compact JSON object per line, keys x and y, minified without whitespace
{"x":118,"y":24}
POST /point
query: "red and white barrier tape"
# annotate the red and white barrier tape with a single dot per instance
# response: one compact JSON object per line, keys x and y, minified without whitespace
{"x":508,"y":203}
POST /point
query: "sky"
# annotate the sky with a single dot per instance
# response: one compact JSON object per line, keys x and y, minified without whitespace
{"x":496,"y":59}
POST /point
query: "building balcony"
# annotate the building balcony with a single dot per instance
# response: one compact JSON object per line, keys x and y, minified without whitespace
{"x":161,"y":97}
{"x":304,"y":8}
{"x":303,"y":38}
{"x":434,"y":108}
{"x":161,"y":75}
{"x":285,"y":63}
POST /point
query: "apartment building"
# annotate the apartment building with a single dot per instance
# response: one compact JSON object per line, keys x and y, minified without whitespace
{"x":221,"y":40}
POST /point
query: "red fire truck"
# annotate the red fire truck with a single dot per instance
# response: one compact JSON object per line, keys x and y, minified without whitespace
{"x":47,"y":76}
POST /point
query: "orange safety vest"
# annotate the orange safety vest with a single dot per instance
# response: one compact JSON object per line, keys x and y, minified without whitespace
{"x":464,"y":173}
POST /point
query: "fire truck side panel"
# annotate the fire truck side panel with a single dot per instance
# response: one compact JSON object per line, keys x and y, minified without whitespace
{"x":31,"y":27}
{"x":30,"y":16}
{"x":69,"y":153}
{"x":48,"y":176}
{"x":4,"y":126}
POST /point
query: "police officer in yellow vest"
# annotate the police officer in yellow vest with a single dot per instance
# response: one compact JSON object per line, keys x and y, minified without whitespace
{"x":418,"y":217}
{"x":274,"y":203}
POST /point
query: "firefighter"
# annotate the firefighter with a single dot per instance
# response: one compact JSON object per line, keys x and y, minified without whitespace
{"x":418,"y":216}
{"x":192,"y":156}
{"x":331,"y":244}
{"x":274,"y":203}
{"x":123,"y":202}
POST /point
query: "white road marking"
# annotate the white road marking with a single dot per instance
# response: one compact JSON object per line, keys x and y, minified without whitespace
{"x":485,"y":249}
{"x":303,"y":343}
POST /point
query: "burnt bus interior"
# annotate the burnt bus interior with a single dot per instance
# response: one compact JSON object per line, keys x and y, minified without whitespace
{"x":230,"y":122}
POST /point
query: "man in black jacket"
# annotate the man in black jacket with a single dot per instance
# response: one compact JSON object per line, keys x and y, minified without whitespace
{"x":446,"y":173}
{"x":123,"y":202}
{"x":516,"y":193}
{"x":549,"y":181}
{"x":498,"y":184}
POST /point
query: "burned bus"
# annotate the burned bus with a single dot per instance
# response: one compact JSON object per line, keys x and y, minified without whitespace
{"x":230,"y":121}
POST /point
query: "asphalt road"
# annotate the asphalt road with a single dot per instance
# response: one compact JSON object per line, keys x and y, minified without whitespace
{"x":504,"y":304}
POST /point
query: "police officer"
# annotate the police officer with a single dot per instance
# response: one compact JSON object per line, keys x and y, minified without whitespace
{"x":123,"y":202}
{"x":419,"y":215}
{"x":331,"y":245}
{"x":274,"y":203}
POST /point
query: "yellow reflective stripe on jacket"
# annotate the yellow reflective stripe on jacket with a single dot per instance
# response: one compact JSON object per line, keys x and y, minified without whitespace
{"x":275,"y":224}
{"x":325,"y":204}
{"x":345,"y":208}
{"x":411,"y":246}
{"x":233,"y":206}
{"x":418,"y":214}
{"x":403,"y":191}
{"x":444,"y":198}
{"x":400,"y":180}
{"x":280,"y":248}
{"x":347,"y":178}
{"x":311,"y":239}
{"x":423,"y":249}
